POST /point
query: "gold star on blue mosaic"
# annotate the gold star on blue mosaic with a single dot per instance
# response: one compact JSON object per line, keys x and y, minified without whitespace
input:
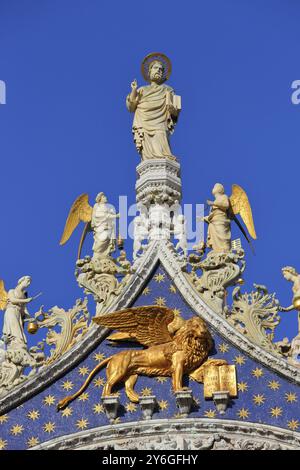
{"x":98,"y":408}
{"x":98,"y":382}
{"x":159,"y":278}
{"x":131,"y":407}
{"x":259,"y":399}
{"x":33,"y":414}
{"x":3,"y":419}
{"x":17,"y":429}
{"x":223,"y":348}
{"x":291,"y":397}
{"x":99,"y":357}
{"x":176,"y":311}
{"x":240,"y":360}
{"x":146,"y":291}
{"x":49,"y":400}
{"x":146,"y":392}
{"x":49,"y":427}
{"x":276,"y":411}
{"x":160,"y":301}
{"x":243,"y":413}
{"x":33,"y":441}
{"x":82,"y":423}
{"x":273,"y":385}
{"x":163,"y":404}
{"x":67,"y":412}
{"x":257,"y":372}
{"x":172,"y":289}
{"x":242,"y":386}
{"x":293,"y":424}
{"x":83,"y":397}
{"x":67,"y":385}
{"x":3,"y":444}
{"x":210,"y":413}
{"x":83,"y":370}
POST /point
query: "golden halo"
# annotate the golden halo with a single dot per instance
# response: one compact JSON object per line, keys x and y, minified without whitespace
{"x":161,"y":58}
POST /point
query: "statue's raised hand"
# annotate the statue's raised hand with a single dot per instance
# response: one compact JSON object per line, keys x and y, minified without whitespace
{"x":134,"y":85}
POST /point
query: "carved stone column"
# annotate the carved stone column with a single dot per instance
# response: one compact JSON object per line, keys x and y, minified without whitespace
{"x":158,"y":192}
{"x":158,"y":182}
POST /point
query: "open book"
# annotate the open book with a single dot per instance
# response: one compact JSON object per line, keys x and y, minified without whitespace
{"x":220,"y":378}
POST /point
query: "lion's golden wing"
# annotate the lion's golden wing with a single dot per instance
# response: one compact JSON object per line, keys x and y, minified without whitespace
{"x":81,"y":211}
{"x":240,"y":205}
{"x":3,"y":296}
{"x":148,"y":325}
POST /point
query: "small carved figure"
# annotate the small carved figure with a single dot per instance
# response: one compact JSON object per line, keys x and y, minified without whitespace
{"x":156,"y":109}
{"x":141,"y":232}
{"x":100,"y":219}
{"x":291,"y":274}
{"x":159,"y":222}
{"x":125,"y":265}
{"x":180,"y":234}
{"x":173,"y":348}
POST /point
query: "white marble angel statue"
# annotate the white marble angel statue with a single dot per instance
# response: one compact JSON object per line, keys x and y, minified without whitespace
{"x":14,"y":302}
{"x":223,"y":210}
{"x":155,"y":107}
{"x":100,"y":219}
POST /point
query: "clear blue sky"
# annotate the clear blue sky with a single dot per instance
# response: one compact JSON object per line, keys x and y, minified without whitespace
{"x":65,"y":129}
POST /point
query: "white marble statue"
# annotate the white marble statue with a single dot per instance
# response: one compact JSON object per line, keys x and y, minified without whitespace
{"x":179,"y":222}
{"x":141,"y":232}
{"x":219,"y":221}
{"x":156,"y":109}
{"x":99,"y":218}
{"x":15,"y":314}
{"x":103,"y":225}
{"x":159,"y":222}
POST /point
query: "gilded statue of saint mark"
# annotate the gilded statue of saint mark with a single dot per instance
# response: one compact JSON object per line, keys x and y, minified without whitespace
{"x":155,"y":107}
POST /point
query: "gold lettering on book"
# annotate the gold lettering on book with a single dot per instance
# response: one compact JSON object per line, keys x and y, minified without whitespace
{"x":220,"y":378}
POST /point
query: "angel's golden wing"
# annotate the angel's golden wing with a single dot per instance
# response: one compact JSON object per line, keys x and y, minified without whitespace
{"x":3,"y":296}
{"x":81,"y":211}
{"x":240,"y":205}
{"x":147,"y":325}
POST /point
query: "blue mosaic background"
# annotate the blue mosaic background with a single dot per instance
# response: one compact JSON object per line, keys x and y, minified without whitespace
{"x":263,"y":396}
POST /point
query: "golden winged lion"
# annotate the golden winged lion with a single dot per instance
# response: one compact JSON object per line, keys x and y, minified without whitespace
{"x":173,"y":347}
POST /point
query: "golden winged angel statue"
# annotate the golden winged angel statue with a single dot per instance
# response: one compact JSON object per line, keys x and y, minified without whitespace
{"x":173,"y":347}
{"x":224,"y":209}
{"x":99,"y":219}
